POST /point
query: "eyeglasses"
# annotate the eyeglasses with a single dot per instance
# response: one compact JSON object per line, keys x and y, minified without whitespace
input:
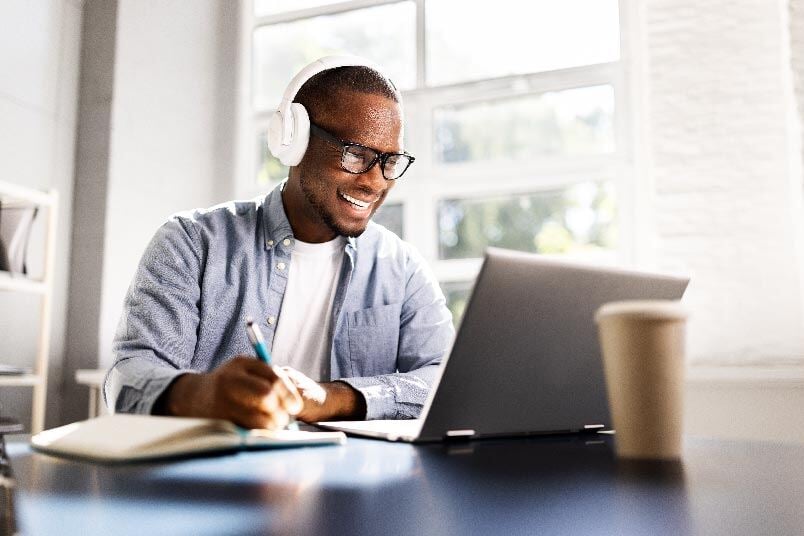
{"x":356,"y":158}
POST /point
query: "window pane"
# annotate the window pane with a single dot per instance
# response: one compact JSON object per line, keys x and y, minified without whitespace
{"x":390,"y":216}
{"x":384,"y":34}
{"x":269,"y":169}
{"x":457,"y":294}
{"x":513,"y":37}
{"x":269,"y":7}
{"x":570,"y":122}
{"x":579,"y":218}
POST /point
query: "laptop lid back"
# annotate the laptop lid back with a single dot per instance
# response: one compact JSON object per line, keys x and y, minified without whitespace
{"x":526,"y":358}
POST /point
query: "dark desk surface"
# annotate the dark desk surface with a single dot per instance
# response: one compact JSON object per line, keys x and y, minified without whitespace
{"x":495,"y":487}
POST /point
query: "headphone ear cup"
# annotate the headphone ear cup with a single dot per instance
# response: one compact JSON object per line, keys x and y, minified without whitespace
{"x":292,"y":154}
{"x":275,"y":133}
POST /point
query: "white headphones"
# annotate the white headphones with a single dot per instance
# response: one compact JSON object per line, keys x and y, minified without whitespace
{"x":289,"y":126}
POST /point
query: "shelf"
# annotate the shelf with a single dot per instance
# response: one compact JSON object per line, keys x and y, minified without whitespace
{"x":11,"y":194}
{"x":21,"y":283}
{"x":22,"y":379}
{"x":20,"y":193}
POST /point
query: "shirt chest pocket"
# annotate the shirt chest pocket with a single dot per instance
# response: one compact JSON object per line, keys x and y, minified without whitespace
{"x":374,"y":339}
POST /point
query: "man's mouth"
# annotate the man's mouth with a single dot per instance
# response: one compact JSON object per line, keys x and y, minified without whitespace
{"x":355,"y":202}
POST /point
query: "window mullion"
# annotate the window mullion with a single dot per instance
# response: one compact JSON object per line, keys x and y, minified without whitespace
{"x":533,"y":83}
{"x":421,"y":45}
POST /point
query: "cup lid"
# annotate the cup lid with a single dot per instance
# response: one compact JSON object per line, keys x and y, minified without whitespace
{"x":644,"y":309}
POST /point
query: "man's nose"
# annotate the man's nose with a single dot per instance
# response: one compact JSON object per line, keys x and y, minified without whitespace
{"x":372,"y":179}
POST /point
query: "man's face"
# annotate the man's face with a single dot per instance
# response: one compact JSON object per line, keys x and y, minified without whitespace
{"x":371,"y":120}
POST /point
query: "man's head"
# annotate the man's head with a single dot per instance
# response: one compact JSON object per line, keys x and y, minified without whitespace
{"x":353,"y":104}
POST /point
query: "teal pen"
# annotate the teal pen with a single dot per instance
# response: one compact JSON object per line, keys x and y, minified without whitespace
{"x":255,"y":336}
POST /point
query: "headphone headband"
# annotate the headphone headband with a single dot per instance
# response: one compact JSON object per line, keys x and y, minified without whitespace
{"x":319,"y":65}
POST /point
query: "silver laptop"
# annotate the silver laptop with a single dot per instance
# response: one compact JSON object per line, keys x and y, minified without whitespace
{"x":526,"y":358}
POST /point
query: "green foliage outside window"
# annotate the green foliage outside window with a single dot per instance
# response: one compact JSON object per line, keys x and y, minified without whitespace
{"x":579,"y":218}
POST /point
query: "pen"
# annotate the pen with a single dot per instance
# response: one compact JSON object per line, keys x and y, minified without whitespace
{"x":255,"y":336}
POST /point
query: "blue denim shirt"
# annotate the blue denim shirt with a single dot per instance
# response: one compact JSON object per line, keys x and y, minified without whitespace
{"x":205,"y":271}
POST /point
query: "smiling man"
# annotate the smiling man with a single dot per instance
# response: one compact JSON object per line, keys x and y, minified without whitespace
{"x":355,"y":320}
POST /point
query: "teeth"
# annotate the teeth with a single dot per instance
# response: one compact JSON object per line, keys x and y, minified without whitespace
{"x":357,"y":202}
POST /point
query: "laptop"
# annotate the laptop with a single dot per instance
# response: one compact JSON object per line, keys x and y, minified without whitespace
{"x":526,"y":358}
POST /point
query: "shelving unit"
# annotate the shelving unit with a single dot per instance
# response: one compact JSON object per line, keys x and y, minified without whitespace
{"x":44,"y":288}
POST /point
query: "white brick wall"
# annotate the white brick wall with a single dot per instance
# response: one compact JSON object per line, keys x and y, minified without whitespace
{"x":796,"y":22}
{"x":720,"y":165}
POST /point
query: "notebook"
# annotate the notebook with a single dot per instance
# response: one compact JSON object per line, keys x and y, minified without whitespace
{"x":124,"y":437}
{"x":526,"y":359}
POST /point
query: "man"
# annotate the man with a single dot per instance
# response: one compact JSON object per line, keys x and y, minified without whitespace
{"x":352,"y":314}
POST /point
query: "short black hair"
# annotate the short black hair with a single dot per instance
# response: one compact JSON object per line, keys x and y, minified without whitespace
{"x":317,"y":92}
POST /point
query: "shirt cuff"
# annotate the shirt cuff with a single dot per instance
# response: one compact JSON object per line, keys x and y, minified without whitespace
{"x":380,"y":397}
{"x":157,"y":385}
{"x":139,"y":394}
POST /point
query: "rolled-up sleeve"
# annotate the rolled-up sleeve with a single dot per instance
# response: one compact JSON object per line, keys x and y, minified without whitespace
{"x":425,"y":335}
{"x":157,"y":333}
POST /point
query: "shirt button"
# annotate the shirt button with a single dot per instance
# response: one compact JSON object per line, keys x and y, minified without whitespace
{"x":286,"y":241}
{"x":272,"y":320}
{"x":270,"y":243}
{"x":281,"y":265}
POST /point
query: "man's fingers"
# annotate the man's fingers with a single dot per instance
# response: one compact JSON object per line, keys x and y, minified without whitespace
{"x":250,"y":389}
{"x":292,"y":400}
{"x":295,"y":376}
{"x":270,"y":403}
{"x":278,"y":420}
{"x":262,"y":420}
{"x":270,"y":398}
{"x":256,"y":367}
{"x":250,"y":386}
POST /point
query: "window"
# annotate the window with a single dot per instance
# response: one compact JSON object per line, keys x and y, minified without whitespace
{"x":514,"y":111}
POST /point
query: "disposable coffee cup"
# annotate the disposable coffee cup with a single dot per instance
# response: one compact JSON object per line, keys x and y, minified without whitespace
{"x":643,"y":347}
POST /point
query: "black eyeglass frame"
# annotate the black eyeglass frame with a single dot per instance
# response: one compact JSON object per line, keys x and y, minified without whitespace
{"x":345,"y":144}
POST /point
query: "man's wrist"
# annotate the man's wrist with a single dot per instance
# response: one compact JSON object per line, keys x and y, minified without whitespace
{"x":344,"y":402}
{"x":174,"y":399}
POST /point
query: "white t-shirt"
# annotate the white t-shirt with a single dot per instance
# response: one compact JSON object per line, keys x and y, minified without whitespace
{"x":302,"y":338}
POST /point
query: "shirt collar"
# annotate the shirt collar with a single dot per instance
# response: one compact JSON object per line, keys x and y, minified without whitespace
{"x":276,"y":226}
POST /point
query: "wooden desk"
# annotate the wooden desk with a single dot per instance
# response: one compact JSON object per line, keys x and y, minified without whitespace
{"x":526,"y":486}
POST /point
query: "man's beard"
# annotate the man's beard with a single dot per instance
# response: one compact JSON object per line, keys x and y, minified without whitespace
{"x":312,"y":194}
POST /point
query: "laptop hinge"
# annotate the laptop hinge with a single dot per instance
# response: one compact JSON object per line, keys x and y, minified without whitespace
{"x":459,"y":434}
{"x":593,"y":427}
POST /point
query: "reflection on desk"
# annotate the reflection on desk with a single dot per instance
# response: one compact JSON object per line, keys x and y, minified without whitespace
{"x":549,"y":485}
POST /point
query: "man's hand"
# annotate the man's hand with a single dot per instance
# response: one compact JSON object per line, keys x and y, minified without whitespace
{"x":243,"y":390}
{"x":326,"y":401}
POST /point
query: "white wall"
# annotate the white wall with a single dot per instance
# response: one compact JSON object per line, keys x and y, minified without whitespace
{"x":722,"y":160}
{"x":172,"y":128}
{"x":170,"y":149}
{"x":795,"y":16}
{"x":727,"y":204}
{"x":39,"y":65}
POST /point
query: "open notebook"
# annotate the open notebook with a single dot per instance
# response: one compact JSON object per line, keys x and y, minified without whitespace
{"x":123,"y":437}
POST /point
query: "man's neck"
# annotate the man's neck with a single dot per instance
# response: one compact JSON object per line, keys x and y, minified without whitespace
{"x":306,"y":227}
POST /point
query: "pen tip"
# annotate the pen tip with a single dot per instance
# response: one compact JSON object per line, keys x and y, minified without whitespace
{"x":249,"y":320}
